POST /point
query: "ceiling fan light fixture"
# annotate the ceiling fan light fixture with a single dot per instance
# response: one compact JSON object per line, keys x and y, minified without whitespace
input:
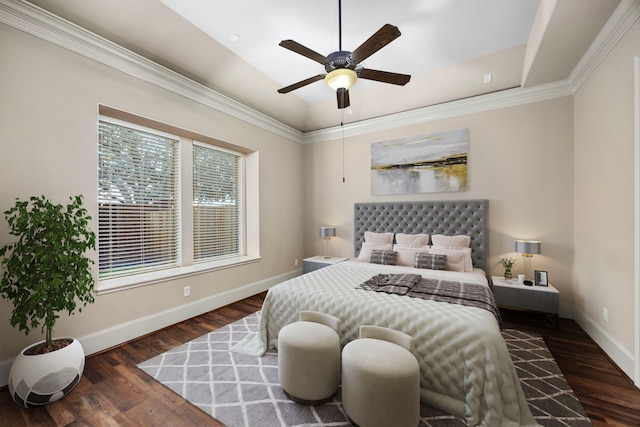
{"x":342,"y":78}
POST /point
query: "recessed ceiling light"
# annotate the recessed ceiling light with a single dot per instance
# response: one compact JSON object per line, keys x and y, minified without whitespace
{"x":234,"y":37}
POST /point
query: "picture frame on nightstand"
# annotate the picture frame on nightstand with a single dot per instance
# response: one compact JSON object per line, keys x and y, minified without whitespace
{"x":541,"y":278}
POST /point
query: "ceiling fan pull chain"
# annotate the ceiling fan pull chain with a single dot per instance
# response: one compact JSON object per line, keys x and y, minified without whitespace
{"x":339,"y":25}
{"x":342,"y":126}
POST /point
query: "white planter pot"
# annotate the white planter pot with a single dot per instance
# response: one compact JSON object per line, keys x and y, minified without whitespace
{"x":44,"y":378}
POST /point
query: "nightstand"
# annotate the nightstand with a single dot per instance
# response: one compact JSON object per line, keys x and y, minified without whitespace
{"x":318,"y":262}
{"x":513,"y":295}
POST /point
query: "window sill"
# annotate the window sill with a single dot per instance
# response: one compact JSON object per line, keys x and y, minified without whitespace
{"x":135,"y":281}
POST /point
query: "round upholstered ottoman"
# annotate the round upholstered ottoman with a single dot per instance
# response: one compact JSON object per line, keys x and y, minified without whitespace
{"x":380,"y":384}
{"x":309,"y":360}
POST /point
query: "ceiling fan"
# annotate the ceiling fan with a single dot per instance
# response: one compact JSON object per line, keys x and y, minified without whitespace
{"x":344,"y":67}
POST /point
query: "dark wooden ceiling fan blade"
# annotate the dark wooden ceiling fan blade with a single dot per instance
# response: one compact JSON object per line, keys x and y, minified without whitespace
{"x":343,"y":98}
{"x":304,"y":51}
{"x":301,"y":83}
{"x":384,"y":76}
{"x":380,"y":39}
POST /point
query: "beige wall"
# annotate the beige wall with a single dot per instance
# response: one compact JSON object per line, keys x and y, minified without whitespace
{"x":604,"y":194}
{"x":520,"y":158}
{"x":48,"y":131}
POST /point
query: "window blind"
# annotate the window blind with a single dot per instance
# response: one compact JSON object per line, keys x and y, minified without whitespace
{"x":138,"y":211}
{"x":216,"y":203}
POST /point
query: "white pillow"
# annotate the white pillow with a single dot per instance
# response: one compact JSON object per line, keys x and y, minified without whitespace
{"x":367,"y":247}
{"x":457,"y":259}
{"x":371,"y":237}
{"x":452,"y":242}
{"x":468,"y":262}
{"x":407,"y":254}
{"x":414,"y":240}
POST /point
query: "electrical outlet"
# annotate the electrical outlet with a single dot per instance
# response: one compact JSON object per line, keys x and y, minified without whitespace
{"x":605,"y":314}
{"x":187,"y":291}
{"x":295,"y":262}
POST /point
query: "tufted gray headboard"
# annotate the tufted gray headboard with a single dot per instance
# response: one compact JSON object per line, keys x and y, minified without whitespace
{"x":452,"y":217}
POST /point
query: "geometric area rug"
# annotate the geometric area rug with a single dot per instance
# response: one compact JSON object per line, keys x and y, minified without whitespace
{"x":241,"y":390}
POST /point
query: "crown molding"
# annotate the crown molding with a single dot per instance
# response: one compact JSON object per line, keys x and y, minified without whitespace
{"x":625,"y":15}
{"x":40,"y":23}
{"x":477,"y":104}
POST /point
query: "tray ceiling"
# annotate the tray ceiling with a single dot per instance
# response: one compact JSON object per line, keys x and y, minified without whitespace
{"x":450,"y":47}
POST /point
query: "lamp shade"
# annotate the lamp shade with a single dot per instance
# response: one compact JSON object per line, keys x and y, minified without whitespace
{"x":529,"y":247}
{"x":341,"y":78}
{"x":327,"y":231}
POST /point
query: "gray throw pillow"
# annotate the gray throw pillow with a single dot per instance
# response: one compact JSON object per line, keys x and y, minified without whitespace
{"x":383,"y":257}
{"x":430,"y":261}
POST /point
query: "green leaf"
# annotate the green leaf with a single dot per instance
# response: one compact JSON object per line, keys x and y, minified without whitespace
{"x":45,"y":270}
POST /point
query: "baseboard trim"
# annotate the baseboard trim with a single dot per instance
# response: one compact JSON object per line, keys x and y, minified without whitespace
{"x":116,"y":335}
{"x":618,"y":354}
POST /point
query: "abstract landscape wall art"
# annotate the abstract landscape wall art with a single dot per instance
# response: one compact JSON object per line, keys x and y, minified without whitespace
{"x":420,"y":164}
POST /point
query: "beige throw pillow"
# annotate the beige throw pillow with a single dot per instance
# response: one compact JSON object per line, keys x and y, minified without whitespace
{"x":371,"y":237}
{"x":459,"y":241}
{"x":413,"y":240}
{"x":407,"y":254}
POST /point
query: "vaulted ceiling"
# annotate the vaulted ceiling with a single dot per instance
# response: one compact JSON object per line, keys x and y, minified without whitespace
{"x":453,"y":49}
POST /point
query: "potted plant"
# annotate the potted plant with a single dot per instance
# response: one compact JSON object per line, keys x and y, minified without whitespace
{"x":46,"y":272}
{"x":507,"y":262}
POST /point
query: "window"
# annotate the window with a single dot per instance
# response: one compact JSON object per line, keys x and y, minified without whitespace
{"x":138,"y":201}
{"x":170,"y":206}
{"x":216,"y":203}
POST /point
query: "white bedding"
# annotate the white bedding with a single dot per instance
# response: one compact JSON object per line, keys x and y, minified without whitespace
{"x":465,"y":367}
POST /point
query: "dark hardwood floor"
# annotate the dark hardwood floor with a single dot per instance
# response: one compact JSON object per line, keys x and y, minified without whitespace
{"x":608,"y":396}
{"x":113,"y":392}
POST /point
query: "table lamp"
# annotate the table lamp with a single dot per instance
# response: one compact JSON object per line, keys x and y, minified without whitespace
{"x":528,"y":248}
{"x":327,"y":233}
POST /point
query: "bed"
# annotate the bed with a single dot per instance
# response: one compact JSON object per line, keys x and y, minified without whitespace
{"x":465,"y":367}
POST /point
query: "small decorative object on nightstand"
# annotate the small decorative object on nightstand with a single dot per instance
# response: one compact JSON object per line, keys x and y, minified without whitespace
{"x":542,"y":278}
{"x":538,"y":299}
{"x":507,"y":262}
{"x":318,"y":262}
